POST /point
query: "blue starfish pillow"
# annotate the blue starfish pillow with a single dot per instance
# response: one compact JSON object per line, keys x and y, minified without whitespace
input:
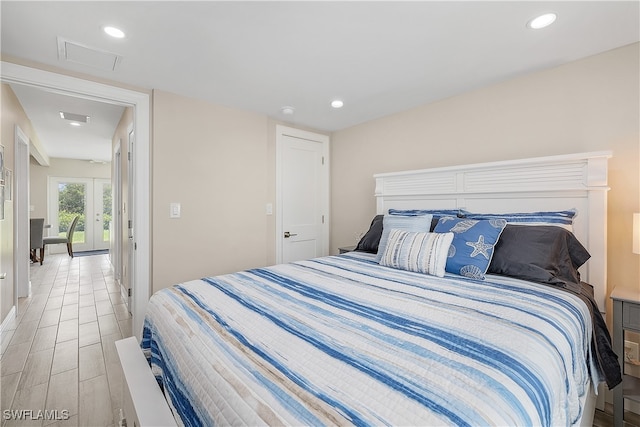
{"x":473,"y":242}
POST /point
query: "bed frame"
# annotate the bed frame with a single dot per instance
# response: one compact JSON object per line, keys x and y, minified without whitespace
{"x":536,"y":184}
{"x":528,"y":185}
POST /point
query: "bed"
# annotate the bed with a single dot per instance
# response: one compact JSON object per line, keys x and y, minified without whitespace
{"x":399,"y":332}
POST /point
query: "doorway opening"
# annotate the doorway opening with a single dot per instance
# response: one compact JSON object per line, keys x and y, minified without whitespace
{"x":73,"y":86}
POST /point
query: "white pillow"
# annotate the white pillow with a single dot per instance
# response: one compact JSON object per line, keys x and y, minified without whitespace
{"x":407,"y":223}
{"x":417,"y":251}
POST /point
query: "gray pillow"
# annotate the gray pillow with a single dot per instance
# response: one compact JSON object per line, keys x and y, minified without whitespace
{"x":542,"y":254}
{"x":370,"y":241}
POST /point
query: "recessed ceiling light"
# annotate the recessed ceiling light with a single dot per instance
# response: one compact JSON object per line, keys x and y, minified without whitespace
{"x":114,"y":32}
{"x":542,"y":21}
{"x":287,"y":110}
{"x":337,"y":103}
{"x":76,"y":124}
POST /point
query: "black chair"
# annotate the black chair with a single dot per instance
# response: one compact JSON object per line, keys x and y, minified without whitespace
{"x":54,"y":240}
{"x":36,"y":229}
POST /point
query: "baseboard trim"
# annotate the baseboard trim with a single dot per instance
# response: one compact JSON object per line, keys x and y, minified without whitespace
{"x":8,"y":319}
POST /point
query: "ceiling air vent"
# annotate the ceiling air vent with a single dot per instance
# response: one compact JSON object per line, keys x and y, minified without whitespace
{"x":85,"y":55}
{"x":78,"y":118}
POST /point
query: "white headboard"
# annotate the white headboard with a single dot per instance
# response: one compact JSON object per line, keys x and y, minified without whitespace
{"x":525,"y":185}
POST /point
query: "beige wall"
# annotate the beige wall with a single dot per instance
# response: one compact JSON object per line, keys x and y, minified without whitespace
{"x":587,"y":105}
{"x":213,"y":161}
{"x":223,"y":174}
{"x":64,"y":168}
{"x":12,"y":115}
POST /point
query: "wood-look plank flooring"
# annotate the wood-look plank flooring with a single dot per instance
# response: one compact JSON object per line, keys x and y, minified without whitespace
{"x":59,"y":355}
{"x":605,"y":418}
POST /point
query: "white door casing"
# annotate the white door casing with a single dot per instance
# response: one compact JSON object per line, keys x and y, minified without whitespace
{"x":130,"y":264}
{"x":302,"y":194}
{"x":73,"y":86}
{"x":21,"y":242}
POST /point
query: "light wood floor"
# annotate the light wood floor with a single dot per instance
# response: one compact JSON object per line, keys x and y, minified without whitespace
{"x":59,"y":354}
{"x":605,"y":418}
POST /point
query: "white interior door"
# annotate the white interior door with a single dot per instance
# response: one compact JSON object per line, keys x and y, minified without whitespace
{"x":303,"y":195}
{"x":130,"y":263}
{"x":116,"y":230}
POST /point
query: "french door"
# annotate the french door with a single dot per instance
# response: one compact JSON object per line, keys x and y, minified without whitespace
{"x":90,"y":198}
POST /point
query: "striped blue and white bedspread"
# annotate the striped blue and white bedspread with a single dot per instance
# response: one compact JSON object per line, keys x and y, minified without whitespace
{"x":341,"y":340}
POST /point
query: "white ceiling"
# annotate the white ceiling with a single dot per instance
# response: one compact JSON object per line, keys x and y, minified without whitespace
{"x":91,"y":141}
{"x":378,"y":57}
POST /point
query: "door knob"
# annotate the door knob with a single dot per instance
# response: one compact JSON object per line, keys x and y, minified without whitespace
{"x":287,"y":234}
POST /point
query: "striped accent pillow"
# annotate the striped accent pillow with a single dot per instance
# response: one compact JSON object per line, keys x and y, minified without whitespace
{"x":417,"y":251}
{"x":406,"y":223}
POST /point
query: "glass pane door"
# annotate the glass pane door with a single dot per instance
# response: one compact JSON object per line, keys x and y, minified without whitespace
{"x":69,"y":199}
{"x":88,"y":198}
{"x":103,"y":218}
{"x":72,"y":202}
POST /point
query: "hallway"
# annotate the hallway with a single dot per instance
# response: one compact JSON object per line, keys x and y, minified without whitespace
{"x":59,"y":354}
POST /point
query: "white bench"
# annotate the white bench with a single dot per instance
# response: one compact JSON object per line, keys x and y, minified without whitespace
{"x":144,"y":403}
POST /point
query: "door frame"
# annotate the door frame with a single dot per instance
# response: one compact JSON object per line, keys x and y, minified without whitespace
{"x":116,"y":235}
{"x":281,"y":133}
{"x":21,"y":243}
{"x":140,"y":101}
{"x":131,"y":213}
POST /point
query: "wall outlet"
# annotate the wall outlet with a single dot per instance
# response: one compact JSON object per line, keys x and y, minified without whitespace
{"x":631,"y":351}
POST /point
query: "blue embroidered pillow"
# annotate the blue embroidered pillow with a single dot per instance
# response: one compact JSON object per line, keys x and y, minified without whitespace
{"x":473,"y":242}
{"x":419,"y":212}
{"x":562,"y":219}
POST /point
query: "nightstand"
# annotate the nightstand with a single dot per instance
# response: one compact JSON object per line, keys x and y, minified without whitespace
{"x":626,"y":317}
{"x":346,"y":249}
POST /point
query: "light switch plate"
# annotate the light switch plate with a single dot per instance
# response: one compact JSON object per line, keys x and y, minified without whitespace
{"x":174,"y":210}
